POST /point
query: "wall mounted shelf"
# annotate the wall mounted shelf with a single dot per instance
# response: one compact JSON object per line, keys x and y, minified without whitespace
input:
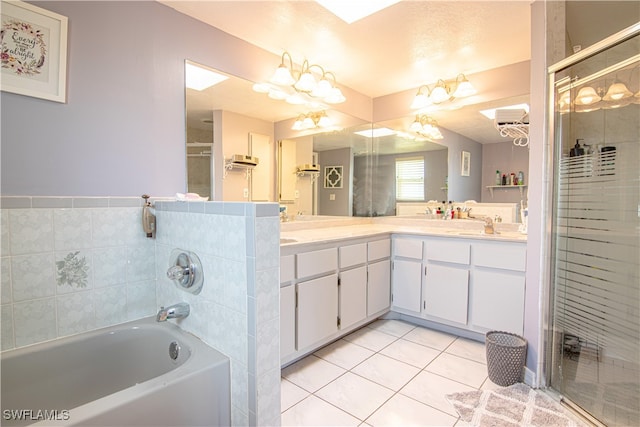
{"x":231,"y":165}
{"x":506,"y":187}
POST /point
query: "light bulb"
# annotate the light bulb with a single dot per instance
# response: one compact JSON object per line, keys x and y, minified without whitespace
{"x":464,"y":89}
{"x":616,"y":92}
{"x":282,"y":76}
{"x":335,"y":96}
{"x":587,"y":96}
{"x":439,"y":94}
{"x":308,"y":123}
{"x":306,"y":82}
{"x":420,"y":101}
{"x":323,"y":89}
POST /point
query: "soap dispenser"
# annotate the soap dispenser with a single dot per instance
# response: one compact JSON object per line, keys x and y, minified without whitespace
{"x":148,"y":218}
{"x":577,"y":150}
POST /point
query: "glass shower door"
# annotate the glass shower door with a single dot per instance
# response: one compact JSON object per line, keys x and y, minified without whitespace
{"x":596,"y":234}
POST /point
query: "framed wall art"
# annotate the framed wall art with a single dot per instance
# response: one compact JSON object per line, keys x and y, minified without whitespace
{"x":333,"y":177}
{"x":465,"y":165}
{"x":34,"y":51}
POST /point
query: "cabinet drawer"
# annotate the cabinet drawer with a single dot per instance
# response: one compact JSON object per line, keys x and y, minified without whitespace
{"x":502,"y":255}
{"x":316,"y":262}
{"x":352,"y":255}
{"x":407,"y":248}
{"x":287,"y":268}
{"x":454,"y":251}
{"x":379,"y":249}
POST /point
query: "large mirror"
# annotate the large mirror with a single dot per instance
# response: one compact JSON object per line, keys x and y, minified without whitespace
{"x":349,"y":169}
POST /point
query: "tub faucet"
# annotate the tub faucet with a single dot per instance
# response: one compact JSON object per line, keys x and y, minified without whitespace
{"x":176,"y":311}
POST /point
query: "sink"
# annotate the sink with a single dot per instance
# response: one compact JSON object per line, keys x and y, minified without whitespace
{"x":285,"y":241}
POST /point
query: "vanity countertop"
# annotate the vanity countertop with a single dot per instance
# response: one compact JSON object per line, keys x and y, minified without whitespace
{"x":328,"y":230}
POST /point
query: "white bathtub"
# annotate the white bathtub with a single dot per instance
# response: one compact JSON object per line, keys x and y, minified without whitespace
{"x":117,"y":376}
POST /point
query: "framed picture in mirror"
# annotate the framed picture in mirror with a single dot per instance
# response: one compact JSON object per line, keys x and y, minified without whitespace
{"x":465,"y":165}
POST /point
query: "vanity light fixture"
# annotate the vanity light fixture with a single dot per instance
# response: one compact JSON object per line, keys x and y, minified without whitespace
{"x":444,"y":90}
{"x":311,"y":85}
{"x":616,"y":92}
{"x":426,"y":126}
{"x":587,"y":96}
{"x":313,"y":120}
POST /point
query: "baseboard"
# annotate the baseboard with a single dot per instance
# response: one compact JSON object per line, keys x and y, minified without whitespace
{"x":530,"y":378}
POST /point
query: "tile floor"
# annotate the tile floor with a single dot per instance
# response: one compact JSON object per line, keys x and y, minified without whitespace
{"x":389,"y":373}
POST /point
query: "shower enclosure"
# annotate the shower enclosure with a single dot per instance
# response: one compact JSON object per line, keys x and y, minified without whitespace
{"x":595,"y":271}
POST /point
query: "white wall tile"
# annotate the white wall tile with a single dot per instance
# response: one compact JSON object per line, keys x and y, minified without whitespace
{"x":267,"y":232}
{"x":76,"y":313}
{"x":268,"y":392}
{"x":6,"y":333}
{"x":32,"y":276}
{"x":234,"y":238}
{"x":109,"y":266}
{"x":109,"y":227}
{"x":235,"y":286}
{"x":239,"y":380}
{"x":110,"y":305}
{"x":141,"y":263}
{"x":267,"y":294}
{"x":141,"y":299}
{"x":214,"y":281}
{"x":267,"y":346}
{"x":72,"y":229}
{"x":34,"y":321}
{"x":30,"y":231}
{"x":5,"y":280}
{"x":235,"y":342}
{"x":4,"y":232}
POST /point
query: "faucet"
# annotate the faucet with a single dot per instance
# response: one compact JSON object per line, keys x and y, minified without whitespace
{"x":488,"y":226}
{"x":176,"y":311}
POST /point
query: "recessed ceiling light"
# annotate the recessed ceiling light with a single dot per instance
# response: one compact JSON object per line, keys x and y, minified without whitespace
{"x":491,"y":113}
{"x":200,"y":78}
{"x":352,"y":10}
{"x":377,"y":132}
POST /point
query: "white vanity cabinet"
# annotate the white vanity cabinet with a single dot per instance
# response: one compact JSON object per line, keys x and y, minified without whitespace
{"x":406,"y":276}
{"x":499,"y":286}
{"x":378,"y":276}
{"x":287,"y":306}
{"x":471,"y":284}
{"x":334,"y":289}
{"x":446,"y":285}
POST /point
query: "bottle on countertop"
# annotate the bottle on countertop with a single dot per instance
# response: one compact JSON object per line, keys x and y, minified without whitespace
{"x":520,"y":178}
{"x":512,"y":179}
{"x":498,"y":178}
{"x":504,"y":179}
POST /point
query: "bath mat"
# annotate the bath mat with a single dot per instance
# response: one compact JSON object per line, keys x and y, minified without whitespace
{"x":516,"y":405}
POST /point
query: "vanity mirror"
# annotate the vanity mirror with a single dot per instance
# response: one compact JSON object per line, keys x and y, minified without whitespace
{"x":347,"y":170}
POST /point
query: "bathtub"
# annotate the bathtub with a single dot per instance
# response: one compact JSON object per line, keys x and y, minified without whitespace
{"x":117,"y":376}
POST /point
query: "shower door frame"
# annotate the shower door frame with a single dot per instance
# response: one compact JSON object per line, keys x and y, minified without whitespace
{"x":550,"y":169}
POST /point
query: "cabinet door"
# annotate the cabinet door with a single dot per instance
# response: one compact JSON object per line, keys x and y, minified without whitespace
{"x":317,"y":309}
{"x":498,"y":300}
{"x":446,"y":293}
{"x":287,"y":320}
{"x":378,"y":287}
{"x":407,"y":284}
{"x":353,"y":296}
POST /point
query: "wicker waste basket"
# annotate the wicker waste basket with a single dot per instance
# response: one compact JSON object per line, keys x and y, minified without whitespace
{"x":506,"y":355}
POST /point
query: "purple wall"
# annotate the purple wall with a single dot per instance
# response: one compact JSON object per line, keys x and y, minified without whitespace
{"x":121,"y":132}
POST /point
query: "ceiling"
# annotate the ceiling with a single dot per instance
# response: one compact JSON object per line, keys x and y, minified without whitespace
{"x":399,"y":48}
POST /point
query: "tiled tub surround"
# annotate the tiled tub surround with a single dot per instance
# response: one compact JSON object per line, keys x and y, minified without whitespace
{"x":67,"y":270}
{"x":70,"y":265}
{"x":237,"y":310}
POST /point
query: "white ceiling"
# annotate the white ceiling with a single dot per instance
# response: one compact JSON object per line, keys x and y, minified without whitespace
{"x":408,"y":44}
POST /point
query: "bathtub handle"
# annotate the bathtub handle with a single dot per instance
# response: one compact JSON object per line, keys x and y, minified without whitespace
{"x":185,"y":269}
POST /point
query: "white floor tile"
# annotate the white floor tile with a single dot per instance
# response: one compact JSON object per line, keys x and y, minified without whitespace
{"x":290,"y":394}
{"x":312,"y":373}
{"x":468,"y":349}
{"x":459,"y":369}
{"x":314,"y":411}
{"x":355,"y":395}
{"x":386,"y":371}
{"x":344,"y":354}
{"x":371,"y":339}
{"x":409,"y":352}
{"x":434,"y":339}
{"x":396,"y":328}
{"x":403,"y":411}
{"x":431,"y":390}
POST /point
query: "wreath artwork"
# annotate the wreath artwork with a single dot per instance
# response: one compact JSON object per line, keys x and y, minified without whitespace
{"x":20,"y":50}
